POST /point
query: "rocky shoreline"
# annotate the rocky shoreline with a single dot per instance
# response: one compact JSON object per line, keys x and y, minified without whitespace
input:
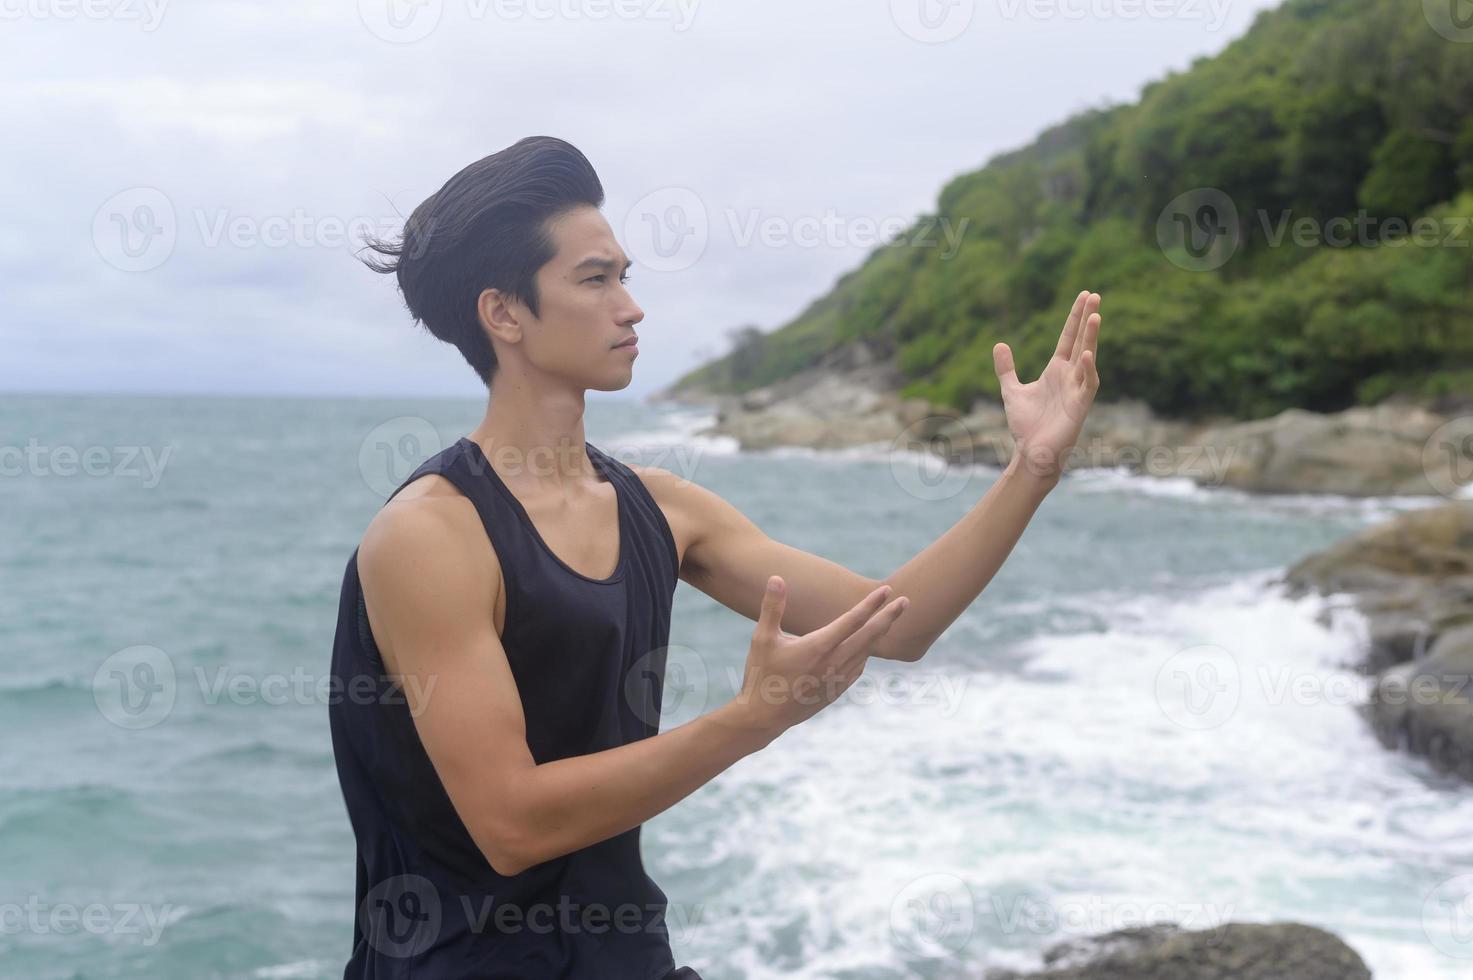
{"x":1410,"y":577}
{"x":1384,"y":450}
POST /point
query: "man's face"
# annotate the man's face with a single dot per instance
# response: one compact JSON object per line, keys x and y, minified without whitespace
{"x":585,"y":309}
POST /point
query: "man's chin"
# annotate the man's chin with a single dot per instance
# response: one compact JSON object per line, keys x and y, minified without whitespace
{"x":614,"y":384}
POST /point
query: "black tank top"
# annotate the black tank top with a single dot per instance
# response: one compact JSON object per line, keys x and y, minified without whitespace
{"x":588,"y":656}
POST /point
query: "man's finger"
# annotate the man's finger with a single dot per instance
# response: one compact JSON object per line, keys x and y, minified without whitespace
{"x":1002,"y":360}
{"x":1091,"y":342}
{"x":774,"y":598}
{"x":859,"y":645}
{"x":832,"y":634}
{"x":1092,"y":332}
{"x":1087,"y":315}
{"x":1071,"y":326}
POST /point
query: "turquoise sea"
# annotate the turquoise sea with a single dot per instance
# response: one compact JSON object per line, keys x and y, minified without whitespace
{"x":169,"y":807}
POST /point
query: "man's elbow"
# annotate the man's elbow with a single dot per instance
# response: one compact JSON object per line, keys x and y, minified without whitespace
{"x":908,"y":653}
{"x":508,"y":866}
{"x":506,"y":850}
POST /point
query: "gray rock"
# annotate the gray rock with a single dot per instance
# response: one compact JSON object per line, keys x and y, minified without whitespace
{"x":1359,"y":452}
{"x":1235,"y":951}
{"x":1412,"y":578}
{"x":1426,"y":705}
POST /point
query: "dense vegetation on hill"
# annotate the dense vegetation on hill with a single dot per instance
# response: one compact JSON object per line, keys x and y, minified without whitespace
{"x":1351,"y":109}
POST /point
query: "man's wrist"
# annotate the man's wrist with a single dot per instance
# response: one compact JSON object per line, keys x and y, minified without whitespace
{"x":1034,"y":472}
{"x":742,"y":722}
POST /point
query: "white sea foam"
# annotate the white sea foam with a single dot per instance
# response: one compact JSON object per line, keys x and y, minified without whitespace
{"x":1080,"y":794}
{"x":677,"y":430}
{"x":300,"y":970}
{"x":1121,"y":479}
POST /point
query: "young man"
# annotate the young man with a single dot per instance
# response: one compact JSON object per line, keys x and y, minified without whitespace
{"x":496,"y":747}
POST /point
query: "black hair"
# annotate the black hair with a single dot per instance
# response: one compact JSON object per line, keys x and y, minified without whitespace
{"x":487,"y":228}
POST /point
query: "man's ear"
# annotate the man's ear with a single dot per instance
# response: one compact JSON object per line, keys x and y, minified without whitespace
{"x":499,"y":316}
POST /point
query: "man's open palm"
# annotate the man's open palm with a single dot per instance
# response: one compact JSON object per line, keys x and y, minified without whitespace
{"x":1046,"y":416}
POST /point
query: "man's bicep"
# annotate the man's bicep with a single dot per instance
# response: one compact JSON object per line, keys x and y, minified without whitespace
{"x":429,"y":599}
{"x":730,"y":559}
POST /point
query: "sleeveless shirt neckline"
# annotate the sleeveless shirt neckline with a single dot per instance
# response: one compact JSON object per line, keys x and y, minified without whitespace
{"x":596,"y":457}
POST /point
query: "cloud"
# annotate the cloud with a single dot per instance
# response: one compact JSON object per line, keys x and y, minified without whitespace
{"x":242,"y":112}
{"x":182,"y":203}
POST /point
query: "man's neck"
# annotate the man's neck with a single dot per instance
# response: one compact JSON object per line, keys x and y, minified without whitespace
{"x":534,"y":436}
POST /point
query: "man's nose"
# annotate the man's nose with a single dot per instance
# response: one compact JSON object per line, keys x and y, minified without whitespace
{"x":632,"y":314}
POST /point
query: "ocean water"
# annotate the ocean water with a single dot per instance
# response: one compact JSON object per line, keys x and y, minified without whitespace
{"x":1131,"y":723}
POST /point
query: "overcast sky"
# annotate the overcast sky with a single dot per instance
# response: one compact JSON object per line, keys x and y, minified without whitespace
{"x":183,"y":181}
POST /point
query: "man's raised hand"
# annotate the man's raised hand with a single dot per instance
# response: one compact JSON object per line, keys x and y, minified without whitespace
{"x":1045,"y":416}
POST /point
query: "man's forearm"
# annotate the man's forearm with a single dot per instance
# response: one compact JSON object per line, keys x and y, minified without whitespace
{"x":948,"y":575}
{"x":571,"y":803}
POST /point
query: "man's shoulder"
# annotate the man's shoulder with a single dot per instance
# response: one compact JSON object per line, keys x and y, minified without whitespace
{"x":428,"y":520}
{"x":683,"y":503}
{"x":676,"y":496}
{"x":662,"y":484}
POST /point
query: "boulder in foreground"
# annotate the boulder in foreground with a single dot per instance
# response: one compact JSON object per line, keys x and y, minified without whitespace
{"x":1234,"y":951}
